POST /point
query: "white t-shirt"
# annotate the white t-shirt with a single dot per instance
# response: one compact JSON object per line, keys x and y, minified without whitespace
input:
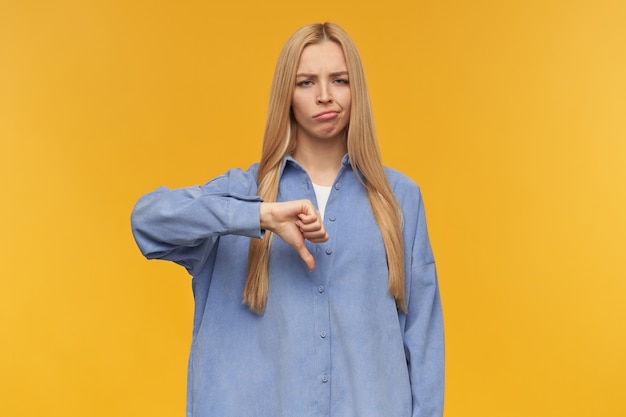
{"x":321,"y":194}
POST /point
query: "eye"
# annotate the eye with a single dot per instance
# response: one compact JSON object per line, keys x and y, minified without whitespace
{"x":305,"y":83}
{"x":342,"y":81}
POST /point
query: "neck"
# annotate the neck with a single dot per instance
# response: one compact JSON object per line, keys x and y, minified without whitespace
{"x":320,"y":160}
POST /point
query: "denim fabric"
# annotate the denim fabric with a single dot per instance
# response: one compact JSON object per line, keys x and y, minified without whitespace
{"x":331,"y":342}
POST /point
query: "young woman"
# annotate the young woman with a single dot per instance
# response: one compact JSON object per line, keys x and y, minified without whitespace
{"x":314,"y":282}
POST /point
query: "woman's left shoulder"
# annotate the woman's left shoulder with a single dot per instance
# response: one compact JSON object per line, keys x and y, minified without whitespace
{"x":402,"y":185}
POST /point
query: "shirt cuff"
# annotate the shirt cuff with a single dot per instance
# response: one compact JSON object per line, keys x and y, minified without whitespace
{"x":245,"y":218}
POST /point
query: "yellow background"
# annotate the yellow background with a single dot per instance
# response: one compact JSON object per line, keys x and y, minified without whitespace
{"x":509,"y":114}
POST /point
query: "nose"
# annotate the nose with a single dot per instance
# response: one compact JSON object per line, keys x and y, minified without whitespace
{"x":324,"y":95}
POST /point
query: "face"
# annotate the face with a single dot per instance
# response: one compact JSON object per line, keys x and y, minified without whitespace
{"x":321,"y":98}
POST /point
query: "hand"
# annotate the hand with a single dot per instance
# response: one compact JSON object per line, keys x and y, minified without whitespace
{"x":295,"y":221}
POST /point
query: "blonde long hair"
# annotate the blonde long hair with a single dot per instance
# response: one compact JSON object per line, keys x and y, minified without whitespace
{"x":362,"y":145}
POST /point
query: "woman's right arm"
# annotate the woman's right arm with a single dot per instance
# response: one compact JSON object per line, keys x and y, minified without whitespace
{"x":182,"y":225}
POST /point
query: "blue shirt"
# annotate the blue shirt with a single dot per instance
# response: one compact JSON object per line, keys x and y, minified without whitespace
{"x":331,"y":341}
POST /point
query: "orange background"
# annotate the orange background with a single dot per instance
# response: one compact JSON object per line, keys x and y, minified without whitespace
{"x":509,"y":114}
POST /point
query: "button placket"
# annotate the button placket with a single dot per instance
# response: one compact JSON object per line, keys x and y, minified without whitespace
{"x":322,"y":345}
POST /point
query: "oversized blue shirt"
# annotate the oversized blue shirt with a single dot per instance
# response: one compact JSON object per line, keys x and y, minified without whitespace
{"x":331,"y":341}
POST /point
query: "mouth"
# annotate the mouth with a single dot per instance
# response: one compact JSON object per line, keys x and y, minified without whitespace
{"x":326,"y":115}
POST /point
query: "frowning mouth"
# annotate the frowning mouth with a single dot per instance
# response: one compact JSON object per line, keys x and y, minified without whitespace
{"x":326,"y":115}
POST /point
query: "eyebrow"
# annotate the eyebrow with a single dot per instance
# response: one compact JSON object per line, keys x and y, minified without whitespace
{"x":332,"y":74}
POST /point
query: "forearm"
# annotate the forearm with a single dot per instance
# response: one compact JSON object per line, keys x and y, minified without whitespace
{"x":185,"y":217}
{"x":424,"y":342}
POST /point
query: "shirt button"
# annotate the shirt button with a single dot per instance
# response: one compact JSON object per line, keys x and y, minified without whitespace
{"x":320,"y":289}
{"x":329,"y":251}
{"x":324,"y":378}
{"x":322,"y":334}
{"x":337,"y":186}
{"x":331,"y":218}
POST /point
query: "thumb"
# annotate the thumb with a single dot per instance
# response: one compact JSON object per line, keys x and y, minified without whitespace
{"x":306,"y":256}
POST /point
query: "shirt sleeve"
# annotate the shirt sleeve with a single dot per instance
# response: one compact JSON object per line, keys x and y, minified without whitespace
{"x":423,"y":330}
{"x":182,"y":225}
